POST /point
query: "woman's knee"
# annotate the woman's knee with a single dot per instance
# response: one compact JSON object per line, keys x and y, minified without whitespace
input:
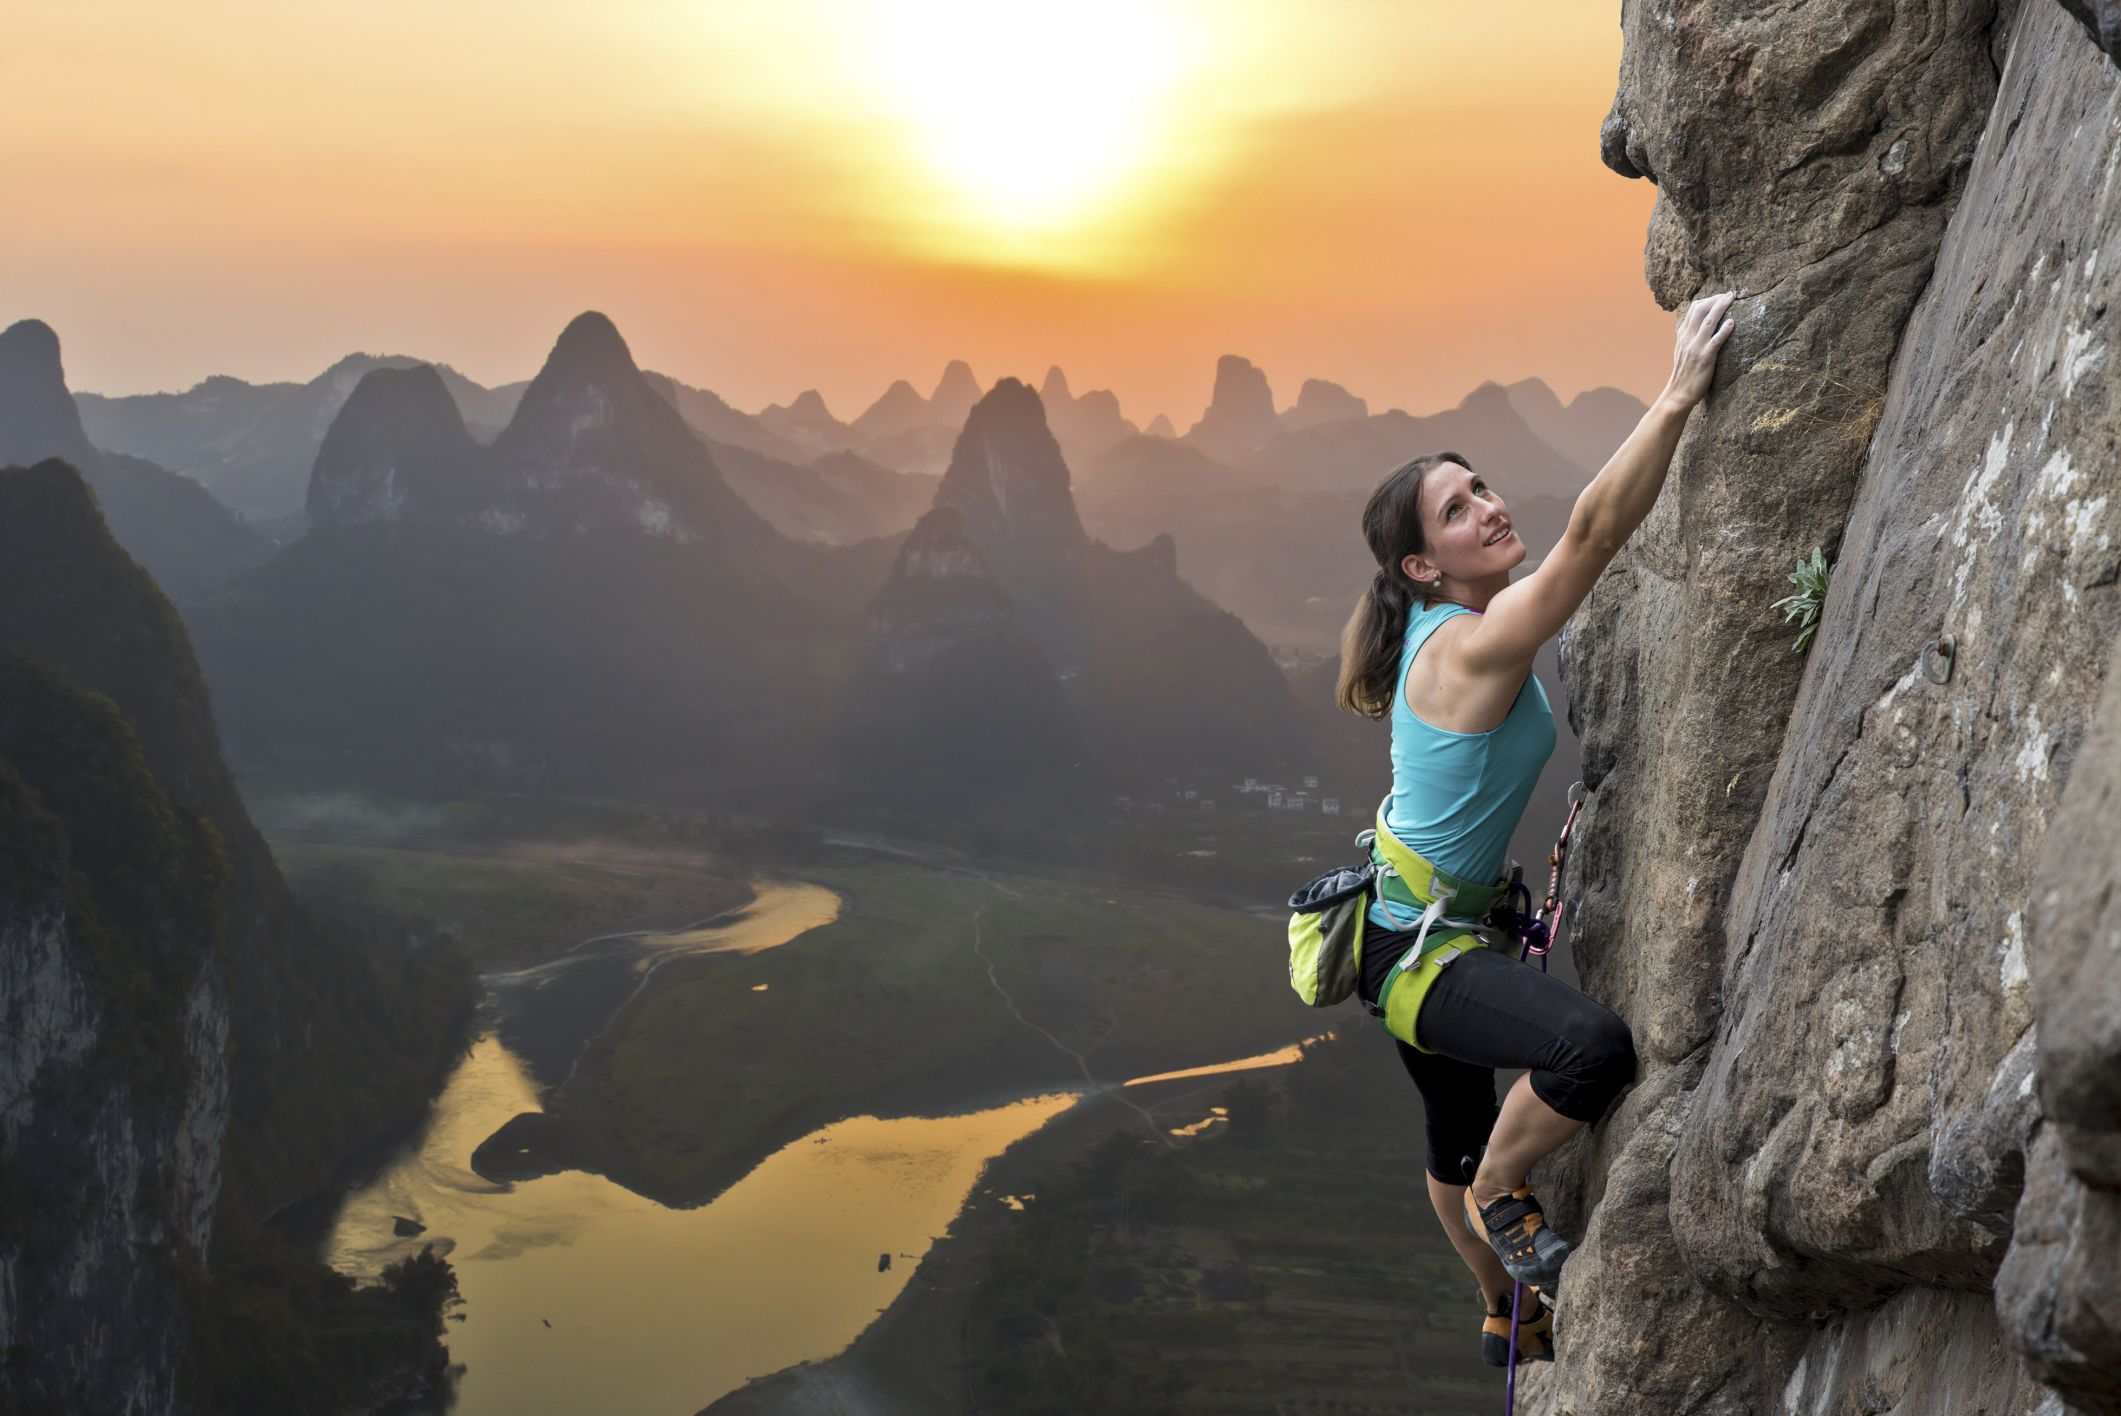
{"x":1589,"y":1062}
{"x":1602,"y":1061}
{"x":1609,"y":1047}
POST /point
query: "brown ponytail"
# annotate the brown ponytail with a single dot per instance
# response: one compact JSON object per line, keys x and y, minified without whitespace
{"x":1375,"y":633}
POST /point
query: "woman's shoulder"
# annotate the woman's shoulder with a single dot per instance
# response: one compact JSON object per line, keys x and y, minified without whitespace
{"x":1431,"y":617}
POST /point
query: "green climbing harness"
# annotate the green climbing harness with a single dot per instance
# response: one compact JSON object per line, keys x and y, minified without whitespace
{"x":1455,"y":916}
{"x":1327,"y":927}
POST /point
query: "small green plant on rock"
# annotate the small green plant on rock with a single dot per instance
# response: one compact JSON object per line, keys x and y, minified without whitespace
{"x":1802,"y":608}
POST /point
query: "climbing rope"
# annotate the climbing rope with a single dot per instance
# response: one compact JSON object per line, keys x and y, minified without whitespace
{"x":1509,"y":1395}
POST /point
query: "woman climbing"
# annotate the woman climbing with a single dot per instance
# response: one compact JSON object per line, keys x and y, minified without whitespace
{"x":1442,"y":643}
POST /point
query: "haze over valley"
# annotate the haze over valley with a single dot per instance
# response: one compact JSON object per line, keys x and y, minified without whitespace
{"x":996,"y":720}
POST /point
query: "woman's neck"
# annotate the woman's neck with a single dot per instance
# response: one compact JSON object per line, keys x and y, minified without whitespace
{"x":1472,"y":594}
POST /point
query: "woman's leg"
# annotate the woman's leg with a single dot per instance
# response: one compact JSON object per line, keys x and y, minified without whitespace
{"x":1458,"y":1102}
{"x":1489,"y":1010}
{"x":1527,"y":1131}
{"x":1450,"y":1204}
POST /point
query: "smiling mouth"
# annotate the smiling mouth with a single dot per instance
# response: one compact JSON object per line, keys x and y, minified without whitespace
{"x":1504,"y":535}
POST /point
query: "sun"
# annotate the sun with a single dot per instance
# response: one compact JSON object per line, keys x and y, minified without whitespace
{"x":1026,"y":124}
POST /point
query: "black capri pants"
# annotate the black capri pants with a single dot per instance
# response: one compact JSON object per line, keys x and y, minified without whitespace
{"x":1488,"y":1010}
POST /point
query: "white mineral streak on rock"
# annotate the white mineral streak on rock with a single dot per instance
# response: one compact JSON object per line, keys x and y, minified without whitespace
{"x":389,"y":502}
{"x":594,"y":412}
{"x":2031,"y":760}
{"x":1977,"y":510}
{"x":656,"y":519}
{"x":2014,"y":975}
{"x":198,"y":1178}
{"x":2083,"y":351}
{"x":47,"y":1018}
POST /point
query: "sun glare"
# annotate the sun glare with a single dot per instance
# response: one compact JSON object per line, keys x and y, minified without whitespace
{"x":1030,"y":123}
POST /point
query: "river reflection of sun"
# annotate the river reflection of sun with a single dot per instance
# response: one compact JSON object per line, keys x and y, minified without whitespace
{"x":1215,"y":1114}
{"x":1280,"y":1057}
{"x":580,"y":1295}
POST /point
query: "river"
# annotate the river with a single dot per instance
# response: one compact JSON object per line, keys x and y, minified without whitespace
{"x":580,"y":1295}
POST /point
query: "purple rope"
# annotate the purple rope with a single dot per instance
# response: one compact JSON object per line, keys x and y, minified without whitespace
{"x":1509,"y":1396}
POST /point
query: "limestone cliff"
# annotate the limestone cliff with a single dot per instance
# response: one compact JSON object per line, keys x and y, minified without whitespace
{"x":114,"y":1083}
{"x":1854,"y":902}
{"x":955,"y":707}
{"x":184,"y":1045}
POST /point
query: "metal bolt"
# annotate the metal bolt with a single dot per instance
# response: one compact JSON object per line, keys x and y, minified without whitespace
{"x":1936,"y":662}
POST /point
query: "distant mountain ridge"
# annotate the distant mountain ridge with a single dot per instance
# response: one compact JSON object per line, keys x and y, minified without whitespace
{"x":1240,"y":417}
{"x":1135,"y":648}
{"x":956,"y":708}
{"x":1588,"y":430}
{"x":188,"y":541}
{"x":592,"y":444}
{"x":585,"y":603}
{"x":224,"y":431}
{"x":251,"y":445}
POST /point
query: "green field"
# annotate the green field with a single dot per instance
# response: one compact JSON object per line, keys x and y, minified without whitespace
{"x":516,"y":905}
{"x":1288,"y":1261}
{"x":891,"y":1008}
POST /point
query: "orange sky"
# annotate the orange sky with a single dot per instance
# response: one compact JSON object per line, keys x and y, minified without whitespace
{"x":1403,"y":197}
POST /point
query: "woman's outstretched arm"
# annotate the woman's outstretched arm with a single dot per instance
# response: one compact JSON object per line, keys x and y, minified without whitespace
{"x":1529,"y":613}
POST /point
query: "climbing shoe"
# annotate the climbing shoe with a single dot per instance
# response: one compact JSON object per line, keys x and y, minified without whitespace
{"x":1516,"y":1228}
{"x":1535,"y":1332}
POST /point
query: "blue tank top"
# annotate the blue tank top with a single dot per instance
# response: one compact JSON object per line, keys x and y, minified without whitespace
{"x":1457,"y":797}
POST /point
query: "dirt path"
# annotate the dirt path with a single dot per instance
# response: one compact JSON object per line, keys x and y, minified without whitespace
{"x":1082,"y":1062}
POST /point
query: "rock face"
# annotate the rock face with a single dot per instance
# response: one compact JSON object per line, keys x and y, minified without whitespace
{"x":1833,"y":894}
{"x":2102,"y":18}
{"x":114,"y":1093}
{"x":2051,"y":1291}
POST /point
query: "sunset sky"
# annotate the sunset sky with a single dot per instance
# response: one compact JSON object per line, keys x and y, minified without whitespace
{"x":1402,"y":197}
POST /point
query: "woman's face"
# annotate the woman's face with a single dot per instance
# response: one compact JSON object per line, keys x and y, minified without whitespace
{"x":1467,"y":528}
